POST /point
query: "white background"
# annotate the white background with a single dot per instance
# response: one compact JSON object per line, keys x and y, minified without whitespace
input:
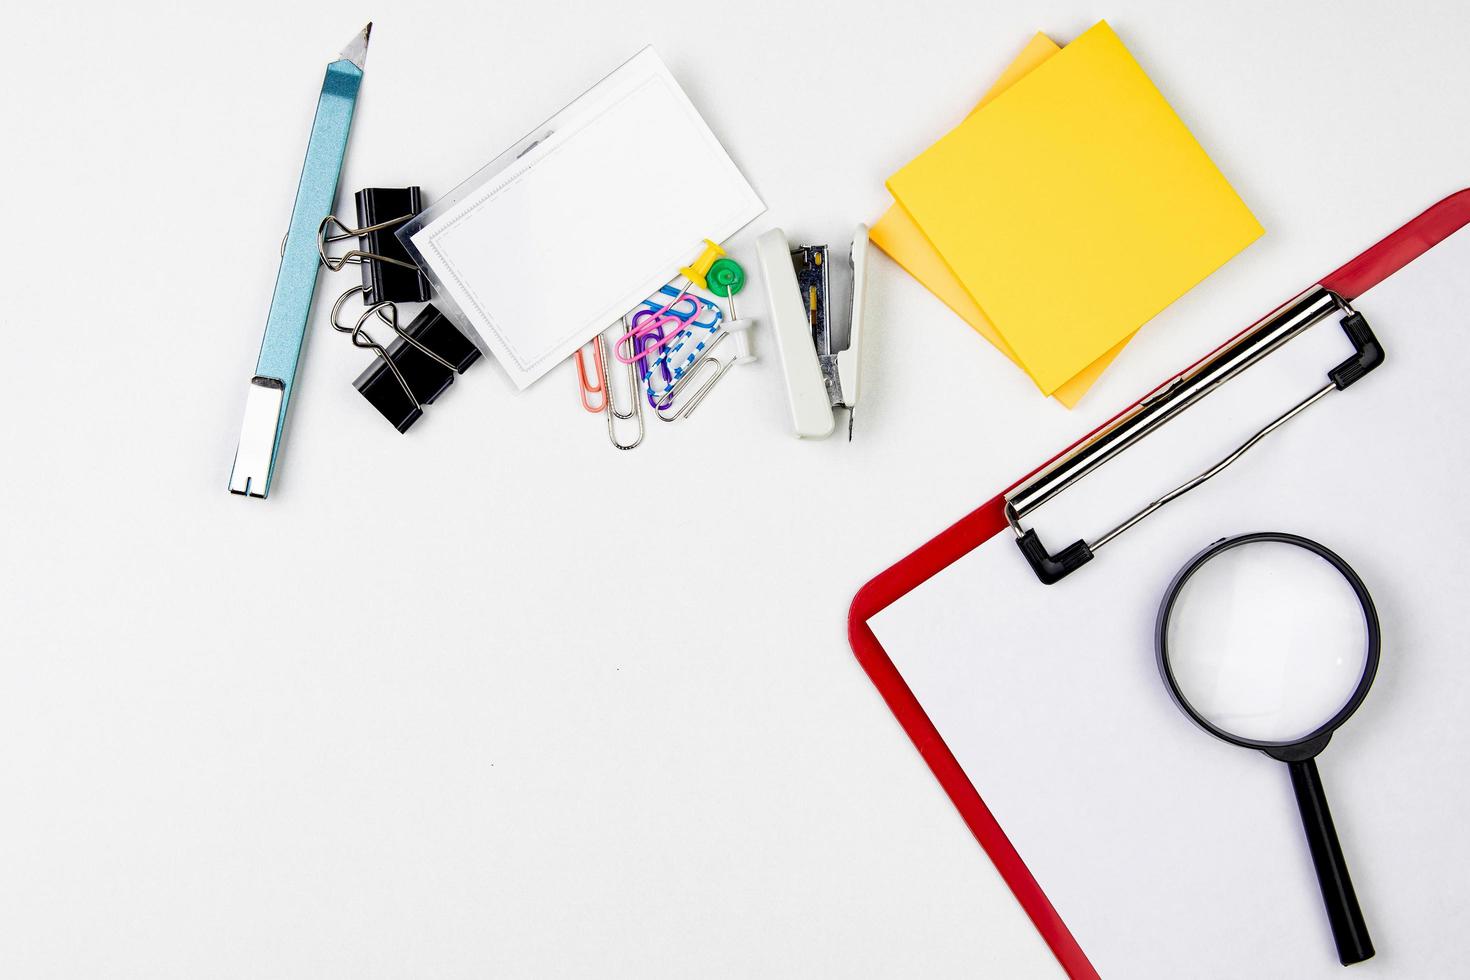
{"x":491,"y":699}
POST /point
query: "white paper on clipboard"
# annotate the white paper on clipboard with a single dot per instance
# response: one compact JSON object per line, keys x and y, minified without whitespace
{"x":566,"y":231}
{"x":1168,"y":853}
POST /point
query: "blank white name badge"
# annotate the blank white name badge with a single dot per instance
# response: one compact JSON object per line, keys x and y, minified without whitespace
{"x":566,"y":231}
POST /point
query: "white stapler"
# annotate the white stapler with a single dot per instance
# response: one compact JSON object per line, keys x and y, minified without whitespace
{"x":822,"y":367}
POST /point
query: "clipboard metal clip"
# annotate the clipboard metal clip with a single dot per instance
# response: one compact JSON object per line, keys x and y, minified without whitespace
{"x":1168,"y":402}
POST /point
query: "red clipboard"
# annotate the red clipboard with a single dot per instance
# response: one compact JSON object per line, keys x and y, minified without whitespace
{"x":1349,"y":281}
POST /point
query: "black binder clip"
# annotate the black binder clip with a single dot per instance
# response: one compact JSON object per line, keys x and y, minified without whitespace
{"x":417,"y":365}
{"x":388,"y":273}
{"x":415,"y":368}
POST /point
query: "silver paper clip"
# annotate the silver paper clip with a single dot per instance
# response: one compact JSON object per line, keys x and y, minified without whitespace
{"x":610,"y":409}
{"x":722,"y":367}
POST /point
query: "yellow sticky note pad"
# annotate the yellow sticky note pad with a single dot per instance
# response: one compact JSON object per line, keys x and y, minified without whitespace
{"x":1037,"y":50}
{"x":897,"y":234}
{"x":1074,"y":207}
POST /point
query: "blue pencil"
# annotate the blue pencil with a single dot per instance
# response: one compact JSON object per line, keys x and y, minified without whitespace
{"x":285,"y":325}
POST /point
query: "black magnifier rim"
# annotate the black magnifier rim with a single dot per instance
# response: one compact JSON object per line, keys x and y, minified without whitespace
{"x":1370,"y":620}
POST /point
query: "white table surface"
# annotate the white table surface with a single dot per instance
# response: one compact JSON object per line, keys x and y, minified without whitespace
{"x":491,"y":699}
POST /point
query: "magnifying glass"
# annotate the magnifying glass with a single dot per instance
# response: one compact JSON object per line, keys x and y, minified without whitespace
{"x":1270,"y":641}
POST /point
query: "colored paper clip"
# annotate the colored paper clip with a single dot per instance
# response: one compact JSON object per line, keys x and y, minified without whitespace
{"x":675,"y":353}
{"x":694,"y":275}
{"x":695,"y":330}
{"x":658,"y":321}
{"x":647,"y":347}
{"x":590,"y":391}
{"x":679,"y":360}
{"x":647,"y":361}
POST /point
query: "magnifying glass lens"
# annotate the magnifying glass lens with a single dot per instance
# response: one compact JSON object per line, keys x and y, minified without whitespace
{"x":1267,"y":642}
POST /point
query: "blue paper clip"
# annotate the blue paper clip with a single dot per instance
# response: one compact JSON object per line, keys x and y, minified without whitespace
{"x":673,"y":360}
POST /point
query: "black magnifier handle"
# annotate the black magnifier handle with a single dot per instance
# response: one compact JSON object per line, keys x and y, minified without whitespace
{"x":1348,"y":927}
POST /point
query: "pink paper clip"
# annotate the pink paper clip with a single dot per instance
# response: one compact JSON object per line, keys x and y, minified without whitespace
{"x":646,"y":322}
{"x":588,"y":389}
{"x":694,"y":275}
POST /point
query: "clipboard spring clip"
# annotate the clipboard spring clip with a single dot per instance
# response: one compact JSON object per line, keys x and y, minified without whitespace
{"x":1168,"y":402}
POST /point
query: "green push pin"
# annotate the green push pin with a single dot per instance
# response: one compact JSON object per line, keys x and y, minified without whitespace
{"x":726,"y":275}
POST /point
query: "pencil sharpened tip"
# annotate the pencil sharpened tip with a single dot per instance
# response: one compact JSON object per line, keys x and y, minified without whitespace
{"x":356,"y":50}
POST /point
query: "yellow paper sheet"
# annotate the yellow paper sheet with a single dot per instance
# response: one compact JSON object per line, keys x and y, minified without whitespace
{"x":896,"y":234}
{"x":1074,"y":207}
